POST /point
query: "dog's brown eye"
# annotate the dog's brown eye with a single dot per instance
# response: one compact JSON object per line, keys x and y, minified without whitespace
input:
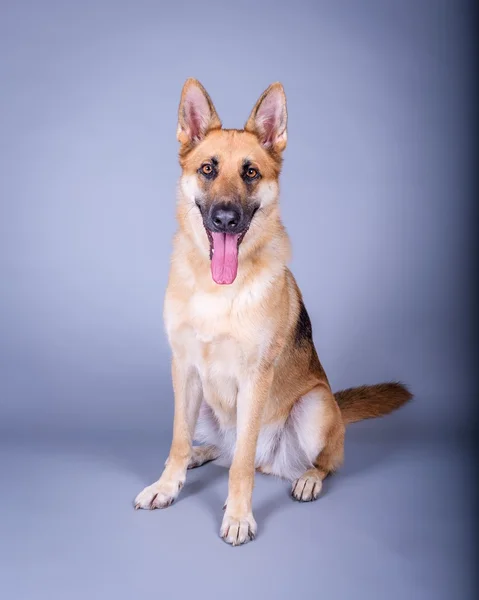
{"x":251,"y":173}
{"x":207,"y":169}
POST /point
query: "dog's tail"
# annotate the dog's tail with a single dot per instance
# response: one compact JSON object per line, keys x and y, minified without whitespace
{"x":371,"y":401}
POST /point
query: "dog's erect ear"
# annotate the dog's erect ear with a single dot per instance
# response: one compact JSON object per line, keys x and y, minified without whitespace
{"x":196,"y":114}
{"x":269,"y":117}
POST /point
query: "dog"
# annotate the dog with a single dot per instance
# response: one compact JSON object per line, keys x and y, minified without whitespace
{"x":248,"y":384}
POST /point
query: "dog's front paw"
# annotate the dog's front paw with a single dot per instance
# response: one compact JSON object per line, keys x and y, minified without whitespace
{"x":236,"y":531}
{"x":158,"y":495}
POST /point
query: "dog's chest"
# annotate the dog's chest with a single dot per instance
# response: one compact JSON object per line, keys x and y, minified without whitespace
{"x":212,"y":329}
{"x":212,"y":345}
{"x":221,"y":337}
{"x":220,"y":364}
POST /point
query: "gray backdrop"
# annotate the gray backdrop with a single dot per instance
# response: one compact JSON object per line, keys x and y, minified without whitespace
{"x":380,"y":105}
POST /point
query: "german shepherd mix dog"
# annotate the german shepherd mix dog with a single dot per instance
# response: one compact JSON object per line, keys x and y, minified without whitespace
{"x":247,"y":380}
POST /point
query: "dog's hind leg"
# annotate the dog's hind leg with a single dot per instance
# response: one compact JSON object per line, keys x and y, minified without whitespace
{"x":201,"y":455}
{"x":264,"y":470}
{"x":308,"y":486}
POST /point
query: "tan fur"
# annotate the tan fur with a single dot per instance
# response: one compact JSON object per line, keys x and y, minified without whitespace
{"x":243,"y":353}
{"x":371,"y":401}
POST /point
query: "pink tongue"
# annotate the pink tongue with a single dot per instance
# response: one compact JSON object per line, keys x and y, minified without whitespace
{"x":224,"y":263}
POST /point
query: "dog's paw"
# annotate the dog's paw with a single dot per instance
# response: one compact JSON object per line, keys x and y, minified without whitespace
{"x":307,"y":487}
{"x":158,"y":495}
{"x":238,"y":531}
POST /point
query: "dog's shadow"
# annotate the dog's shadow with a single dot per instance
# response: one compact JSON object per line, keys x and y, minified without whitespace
{"x":367,"y":446}
{"x":362,"y":455}
{"x":205,"y":488}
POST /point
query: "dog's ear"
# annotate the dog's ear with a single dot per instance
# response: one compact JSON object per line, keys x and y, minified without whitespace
{"x":196,"y":114}
{"x":269,"y":117}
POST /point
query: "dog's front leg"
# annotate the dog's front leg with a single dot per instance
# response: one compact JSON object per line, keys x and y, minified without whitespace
{"x":238,"y":524}
{"x":188,"y":395}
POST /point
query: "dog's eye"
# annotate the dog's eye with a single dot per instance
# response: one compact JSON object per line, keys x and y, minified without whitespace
{"x":207,"y":169}
{"x":251,"y":173}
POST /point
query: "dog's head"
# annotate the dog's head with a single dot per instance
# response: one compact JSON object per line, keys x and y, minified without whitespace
{"x":229,"y":183}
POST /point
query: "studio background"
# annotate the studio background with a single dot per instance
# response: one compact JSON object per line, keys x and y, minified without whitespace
{"x":376,"y":196}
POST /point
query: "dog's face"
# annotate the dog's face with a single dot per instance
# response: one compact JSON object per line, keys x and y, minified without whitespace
{"x":229,"y":182}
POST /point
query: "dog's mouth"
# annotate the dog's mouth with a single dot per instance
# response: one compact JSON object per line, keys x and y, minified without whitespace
{"x":224,"y":249}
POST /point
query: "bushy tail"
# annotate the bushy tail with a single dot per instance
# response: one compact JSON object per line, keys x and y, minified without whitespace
{"x":370,"y":401}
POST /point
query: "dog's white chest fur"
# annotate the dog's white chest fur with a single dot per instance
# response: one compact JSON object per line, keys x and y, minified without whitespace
{"x":218,"y":333}
{"x":206,"y":335}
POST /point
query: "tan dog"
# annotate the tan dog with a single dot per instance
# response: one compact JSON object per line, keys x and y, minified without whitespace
{"x":246,"y":377}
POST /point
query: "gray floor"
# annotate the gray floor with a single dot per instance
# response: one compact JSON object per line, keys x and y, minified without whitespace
{"x":394,"y":523}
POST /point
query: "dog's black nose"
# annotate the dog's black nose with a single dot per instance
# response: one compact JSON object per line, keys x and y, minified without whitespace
{"x":226,"y":218}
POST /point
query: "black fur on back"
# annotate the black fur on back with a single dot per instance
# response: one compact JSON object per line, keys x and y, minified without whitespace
{"x":304,"y":331}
